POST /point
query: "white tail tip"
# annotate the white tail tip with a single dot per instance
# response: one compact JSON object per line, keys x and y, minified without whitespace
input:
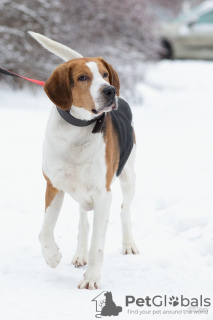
{"x":55,"y":47}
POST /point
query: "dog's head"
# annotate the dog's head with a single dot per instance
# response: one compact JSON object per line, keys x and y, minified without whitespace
{"x":89,"y":83}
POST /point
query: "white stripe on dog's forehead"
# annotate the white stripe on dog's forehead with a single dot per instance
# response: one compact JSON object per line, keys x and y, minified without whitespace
{"x":94,"y":68}
{"x":97,"y":77}
{"x":97,"y":82}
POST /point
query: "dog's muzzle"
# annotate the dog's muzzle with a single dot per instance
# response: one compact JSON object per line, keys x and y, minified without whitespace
{"x":109,"y":100}
{"x":109,"y":93}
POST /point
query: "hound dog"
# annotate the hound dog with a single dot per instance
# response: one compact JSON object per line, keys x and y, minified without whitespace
{"x":89,"y":141}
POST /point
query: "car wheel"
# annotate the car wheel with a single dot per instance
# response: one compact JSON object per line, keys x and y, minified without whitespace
{"x":166,"y":49}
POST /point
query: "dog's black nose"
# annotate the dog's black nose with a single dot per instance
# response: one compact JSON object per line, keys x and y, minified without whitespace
{"x":109,"y":91}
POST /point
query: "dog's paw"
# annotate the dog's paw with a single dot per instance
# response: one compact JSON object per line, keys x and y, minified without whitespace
{"x":90,"y":281}
{"x":51,"y":254}
{"x":80,"y":259}
{"x":129,"y":248}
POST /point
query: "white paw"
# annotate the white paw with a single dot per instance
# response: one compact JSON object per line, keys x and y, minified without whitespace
{"x":129,"y":248}
{"x":90,"y":281}
{"x":80,"y":259}
{"x":51,"y":254}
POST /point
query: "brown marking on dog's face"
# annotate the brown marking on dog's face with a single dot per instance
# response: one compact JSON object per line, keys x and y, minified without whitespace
{"x":113,"y":78}
{"x":112,"y":151}
{"x":70,"y":83}
{"x":82,"y":79}
{"x":50,"y":194}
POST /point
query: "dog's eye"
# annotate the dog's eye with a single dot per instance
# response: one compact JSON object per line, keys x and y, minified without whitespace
{"x":82,"y":78}
{"x":105,"y":75}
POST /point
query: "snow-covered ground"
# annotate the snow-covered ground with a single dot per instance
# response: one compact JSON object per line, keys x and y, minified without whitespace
{"x":172,"y":213}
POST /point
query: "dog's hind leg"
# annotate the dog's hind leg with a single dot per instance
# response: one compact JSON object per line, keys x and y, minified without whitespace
{"x":127,"y":181}
{"x":81,"y":255}
{"x":49,"y":249}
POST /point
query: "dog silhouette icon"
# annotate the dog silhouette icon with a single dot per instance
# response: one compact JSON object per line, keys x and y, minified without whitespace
{"x":110,"y":308}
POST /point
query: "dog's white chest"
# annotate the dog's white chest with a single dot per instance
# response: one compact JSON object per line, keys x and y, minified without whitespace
{"x":74,"y":161}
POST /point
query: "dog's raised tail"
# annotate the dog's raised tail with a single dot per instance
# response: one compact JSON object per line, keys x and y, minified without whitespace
{"x":55,"y":47}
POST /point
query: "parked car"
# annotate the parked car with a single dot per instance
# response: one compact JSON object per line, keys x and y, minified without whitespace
{"x":190,"y":35}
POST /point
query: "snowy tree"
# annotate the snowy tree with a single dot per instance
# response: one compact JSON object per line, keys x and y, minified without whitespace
{"x":120,"y":31}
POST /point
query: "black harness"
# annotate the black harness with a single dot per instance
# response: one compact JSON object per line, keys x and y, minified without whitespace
{"x":83,"y":123}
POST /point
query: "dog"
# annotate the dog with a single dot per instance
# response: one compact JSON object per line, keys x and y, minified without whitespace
{"x":89,"y":141}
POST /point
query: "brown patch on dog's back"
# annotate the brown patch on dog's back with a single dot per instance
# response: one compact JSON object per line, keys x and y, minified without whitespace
{"x":134,"y":137}
{"x":50,"y":194}
{"x":112,"y":150}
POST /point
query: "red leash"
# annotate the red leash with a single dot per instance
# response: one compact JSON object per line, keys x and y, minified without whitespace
{"x":9,"y":73}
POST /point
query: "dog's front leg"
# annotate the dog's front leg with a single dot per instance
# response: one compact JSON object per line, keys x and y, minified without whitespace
{"x":80,"y":257}
{"x":50,"y":251}
{"x":92,"y":276}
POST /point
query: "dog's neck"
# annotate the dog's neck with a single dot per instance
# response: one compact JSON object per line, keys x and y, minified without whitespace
{"x":77,"y":136}
{"x":81,"y":113}
{"x":79,"y":122}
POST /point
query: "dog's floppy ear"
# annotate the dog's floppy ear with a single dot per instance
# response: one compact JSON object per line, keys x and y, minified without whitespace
{"x":58,"y":87}
{"x":113,"y":76}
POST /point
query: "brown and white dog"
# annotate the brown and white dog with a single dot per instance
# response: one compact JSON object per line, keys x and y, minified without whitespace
{"x":83,"y":164}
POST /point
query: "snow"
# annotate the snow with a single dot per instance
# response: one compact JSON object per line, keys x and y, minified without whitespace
{"x":172,"y":210}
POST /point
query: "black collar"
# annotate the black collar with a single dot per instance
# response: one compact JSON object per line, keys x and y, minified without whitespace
{"x":82,"y":123}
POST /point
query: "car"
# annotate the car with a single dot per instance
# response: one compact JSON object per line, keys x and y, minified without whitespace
{"x":190,"y":35}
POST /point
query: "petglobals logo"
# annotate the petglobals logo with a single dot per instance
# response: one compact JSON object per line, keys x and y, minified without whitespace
{"x":164,"y":301}
{"x":105,"y":306}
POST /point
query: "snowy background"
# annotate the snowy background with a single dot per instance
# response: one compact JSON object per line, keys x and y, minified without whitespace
{"x":95,"y":27}
{"x":171,"y":212}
